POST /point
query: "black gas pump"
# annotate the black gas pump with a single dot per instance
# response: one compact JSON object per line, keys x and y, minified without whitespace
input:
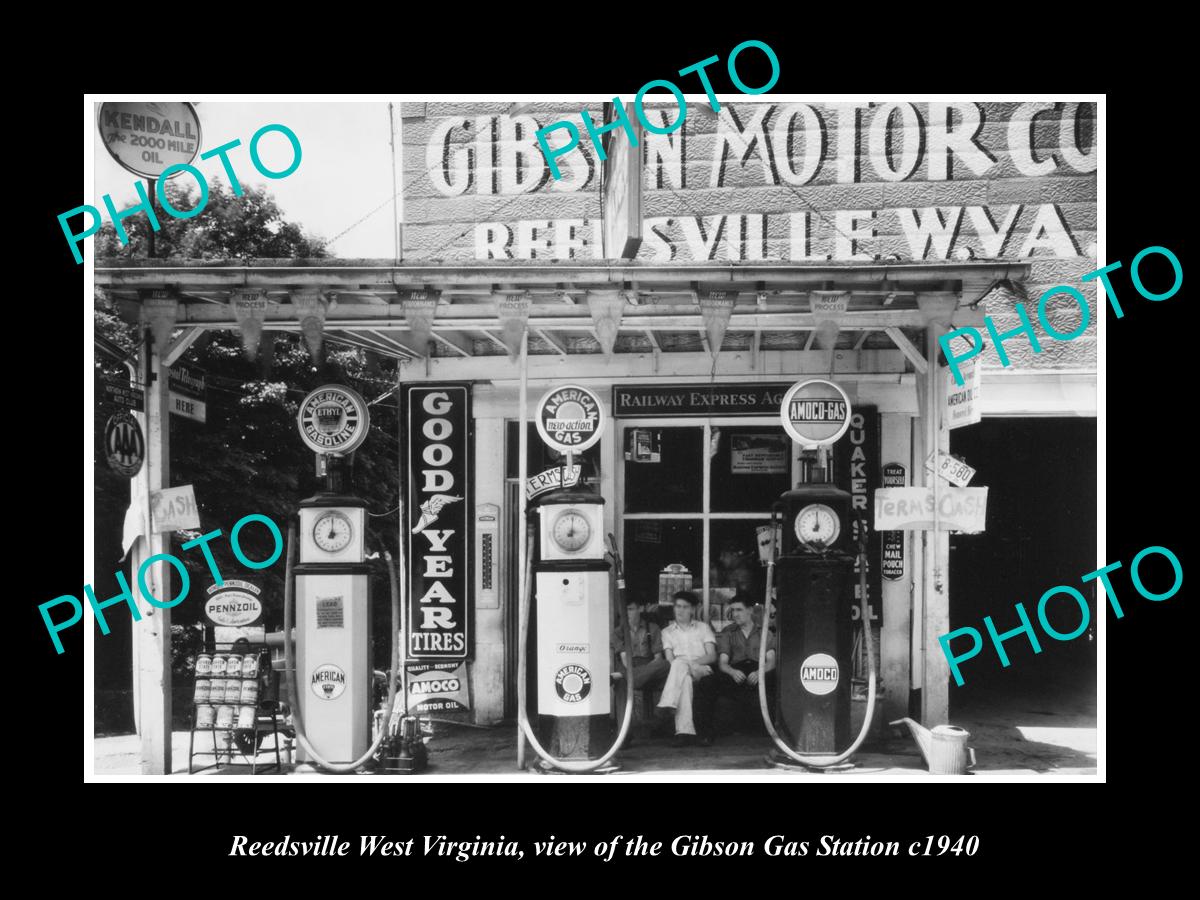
{"x":814,"y":553}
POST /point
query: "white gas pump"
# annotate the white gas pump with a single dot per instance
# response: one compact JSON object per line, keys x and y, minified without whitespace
{"x":331,"y":675}
{"x":573,"y":587}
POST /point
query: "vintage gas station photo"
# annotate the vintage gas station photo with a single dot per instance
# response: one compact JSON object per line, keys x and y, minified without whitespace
{"x":528,"y":438}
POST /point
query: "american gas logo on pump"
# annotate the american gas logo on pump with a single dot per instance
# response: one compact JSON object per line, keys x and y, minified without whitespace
{"x":569,"y":418}
{"x":572,"y":683}
{"x":328,"y":681}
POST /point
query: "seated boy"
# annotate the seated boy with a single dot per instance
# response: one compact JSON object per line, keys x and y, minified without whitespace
{"x":737,"y":673}
{"x":649,"y":666}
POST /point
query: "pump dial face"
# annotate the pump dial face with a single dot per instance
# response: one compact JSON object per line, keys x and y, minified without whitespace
{"x":332,"y":532}
{"x":817,"y":525}
{"x":571,"y":530}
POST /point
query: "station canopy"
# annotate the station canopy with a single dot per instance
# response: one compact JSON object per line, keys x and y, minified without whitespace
{"x":452,"y":311}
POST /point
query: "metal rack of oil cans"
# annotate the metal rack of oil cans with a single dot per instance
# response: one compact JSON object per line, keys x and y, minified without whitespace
{"x":228,"y":708}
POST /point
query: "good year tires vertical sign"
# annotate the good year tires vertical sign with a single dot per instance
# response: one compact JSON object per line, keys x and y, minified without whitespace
{"x":437,"y":473}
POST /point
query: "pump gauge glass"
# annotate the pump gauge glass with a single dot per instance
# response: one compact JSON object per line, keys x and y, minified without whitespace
{"x":571,"y":530}
{"x":332,"y":532}
{"x":817,"y":525}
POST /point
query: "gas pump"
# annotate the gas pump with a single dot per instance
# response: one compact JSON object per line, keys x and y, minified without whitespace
{"x":814,"y":555}
{"x":327,"y":593}
{"x":571,"y":581}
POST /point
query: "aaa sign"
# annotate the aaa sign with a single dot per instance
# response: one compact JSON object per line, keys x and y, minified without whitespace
{"x":911,"y":509}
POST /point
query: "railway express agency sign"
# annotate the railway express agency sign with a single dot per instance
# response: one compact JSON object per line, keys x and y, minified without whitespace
{"x":815,"y":412}
{"x":569,"y":418}
{"x":333,"y":419}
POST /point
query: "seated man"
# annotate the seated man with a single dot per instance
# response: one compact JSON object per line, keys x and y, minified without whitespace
{"x":691,"y":648}
{"x":649,"y":666}
{"x":738,"y":648}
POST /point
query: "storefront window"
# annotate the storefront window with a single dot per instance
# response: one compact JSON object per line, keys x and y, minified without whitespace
{"x":663,"y":469}
{"x":693,"y":500}
{"x":749,"y":468}
{"x":734,"y":565}
{"x":663,"y":556}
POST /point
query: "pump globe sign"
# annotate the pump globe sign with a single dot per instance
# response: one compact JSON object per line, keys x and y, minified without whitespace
{"x":333,"y":419}
{"x":569,"y":418}
{"x":149,"y":138}
{"x":815,"y":412}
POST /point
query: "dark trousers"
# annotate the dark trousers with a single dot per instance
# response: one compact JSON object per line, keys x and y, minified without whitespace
{"x":648,"y":674}
{"x":745,"y":696}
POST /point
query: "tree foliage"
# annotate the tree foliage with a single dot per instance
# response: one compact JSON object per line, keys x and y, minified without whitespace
{"x":247,"y":458}
{"x":229,"y":227}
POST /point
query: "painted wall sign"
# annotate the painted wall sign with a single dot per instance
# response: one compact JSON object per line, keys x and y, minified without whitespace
{"x":962,"y":405}
{"x":437,"y":687}
{"x":438,"y":450}
{"x":911,"y":509}
{"x":233,"y":604}
{"x":188,"y":393}
{"x":147,"y":138}
{"x":569,"y":418}
{"x":909,"y":179}
{"x":174,"y":509}
{"x":121,"y":394}
{"x":815,"y":412}
{"x":124,"y":445}
{"x":655,"y":400}
{"x":856,"y":470}
{"x":892,"y":562}
{"x":333,"y":419}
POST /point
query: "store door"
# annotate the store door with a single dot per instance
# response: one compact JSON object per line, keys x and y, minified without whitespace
{"x":1041,"y":532}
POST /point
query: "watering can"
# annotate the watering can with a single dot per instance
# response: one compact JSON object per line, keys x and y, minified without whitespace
{"x":944,"y":747}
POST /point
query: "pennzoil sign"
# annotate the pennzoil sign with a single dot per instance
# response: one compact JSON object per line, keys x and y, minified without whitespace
{"x":234,"y":603}
{"x":333,"y":419}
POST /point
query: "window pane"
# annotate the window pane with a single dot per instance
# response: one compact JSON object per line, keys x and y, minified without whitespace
{"x":651,"y":545}
{"x":750,"y":468}
{"x":662,"y":469}
{"x":735,"y":566}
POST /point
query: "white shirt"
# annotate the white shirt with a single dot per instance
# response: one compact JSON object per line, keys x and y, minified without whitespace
{"x":688,"y":643}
